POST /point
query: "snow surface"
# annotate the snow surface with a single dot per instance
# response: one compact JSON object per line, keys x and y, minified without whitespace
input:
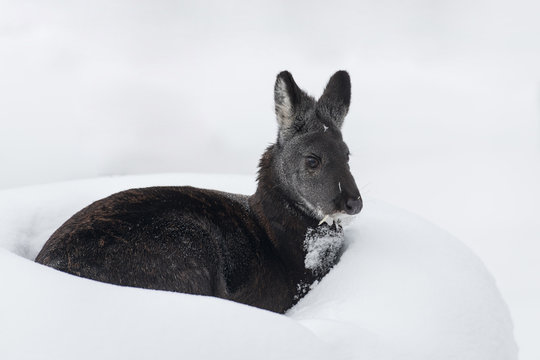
{"x":403,"y":289}
{"x":444,"y":118}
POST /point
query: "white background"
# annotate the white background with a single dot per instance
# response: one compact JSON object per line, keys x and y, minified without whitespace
{"x":444,"y":119}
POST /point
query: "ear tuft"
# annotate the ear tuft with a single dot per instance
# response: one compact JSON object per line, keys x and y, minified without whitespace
{"x":336,"y":98}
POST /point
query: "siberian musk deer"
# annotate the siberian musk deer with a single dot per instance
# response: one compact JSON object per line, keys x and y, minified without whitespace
{"x":262,"y":250}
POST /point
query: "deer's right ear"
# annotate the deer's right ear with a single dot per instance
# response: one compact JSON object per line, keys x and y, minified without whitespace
{"x":336,"y":98}
{"x":287,"y":97}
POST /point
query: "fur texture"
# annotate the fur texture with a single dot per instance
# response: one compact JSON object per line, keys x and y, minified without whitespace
{"x":263,"y":250}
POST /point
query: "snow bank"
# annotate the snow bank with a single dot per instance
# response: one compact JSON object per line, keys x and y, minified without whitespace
{"x":403,"y":289}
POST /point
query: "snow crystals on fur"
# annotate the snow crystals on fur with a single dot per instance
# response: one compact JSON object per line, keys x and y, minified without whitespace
{"x":323,"y":245}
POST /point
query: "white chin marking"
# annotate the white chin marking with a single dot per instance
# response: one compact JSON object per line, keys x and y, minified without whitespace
{"x":327,"y":219}
{"x":340,"y":218}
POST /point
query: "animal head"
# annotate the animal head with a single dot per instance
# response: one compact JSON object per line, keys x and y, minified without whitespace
{"x":312,"y":160}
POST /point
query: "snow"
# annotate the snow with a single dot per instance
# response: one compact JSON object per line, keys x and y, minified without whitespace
{"x":403,"y":289}
{"x":322,"y":245}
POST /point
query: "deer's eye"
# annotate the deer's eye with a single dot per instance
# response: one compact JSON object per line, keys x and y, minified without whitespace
{"x":312,"y":162}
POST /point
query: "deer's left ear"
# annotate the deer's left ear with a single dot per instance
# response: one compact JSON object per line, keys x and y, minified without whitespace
{"x":287,"y":98}
{"x":336,"y":98}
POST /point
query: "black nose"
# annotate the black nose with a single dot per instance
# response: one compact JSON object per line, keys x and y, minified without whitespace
{"x":353,"y":205}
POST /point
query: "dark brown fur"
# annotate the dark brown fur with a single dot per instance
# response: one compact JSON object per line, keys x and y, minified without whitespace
{"x":190,"y":240}
{"x":246,"y":249}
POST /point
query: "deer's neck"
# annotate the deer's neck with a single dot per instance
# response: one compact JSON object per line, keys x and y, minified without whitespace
{"x":285,"y":223}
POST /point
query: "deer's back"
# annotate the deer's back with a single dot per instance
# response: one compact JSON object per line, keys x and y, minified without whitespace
{"x":171,"y":238}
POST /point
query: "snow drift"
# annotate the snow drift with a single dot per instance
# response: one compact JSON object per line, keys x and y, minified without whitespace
{"x":404,"y":289}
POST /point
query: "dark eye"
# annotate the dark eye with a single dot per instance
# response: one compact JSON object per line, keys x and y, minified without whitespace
{"x":312,"y":162}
